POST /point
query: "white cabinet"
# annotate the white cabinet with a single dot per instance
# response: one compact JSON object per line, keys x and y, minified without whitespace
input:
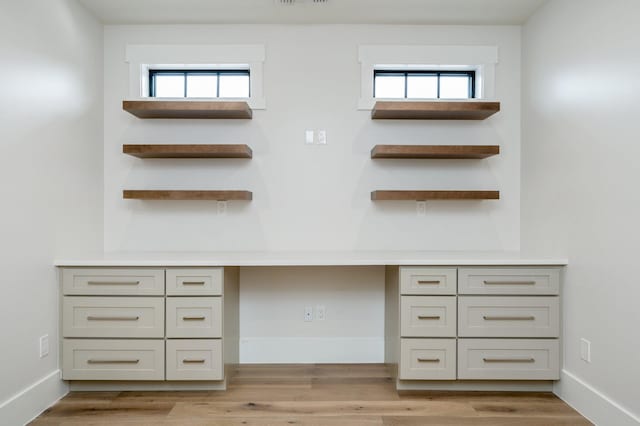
{"x":119,"y":324}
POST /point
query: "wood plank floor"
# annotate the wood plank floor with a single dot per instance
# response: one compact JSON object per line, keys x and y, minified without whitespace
{"x":309,"y":395}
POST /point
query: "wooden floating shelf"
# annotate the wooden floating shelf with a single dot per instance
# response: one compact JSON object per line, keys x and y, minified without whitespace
{"x":129,"y":194}
{"x":434,"y":195}
{"x":188,"y":151}
{"x":188,"y":109}
{"x":434,"y":110}
{"x":435,"y":151}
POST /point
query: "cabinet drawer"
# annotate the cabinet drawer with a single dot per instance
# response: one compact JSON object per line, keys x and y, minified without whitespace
{"x":194,"y":317}
{"x":194,"y":282}
{"x":516,"y":281}
{"x":427,"y":359}
{"x":113,"y":317}
{"x":508,"y":359}
{"x":422,"y":280}
{"x":428,"y":316}
{"x":499,"y":316}
{"x":112,"y":281}
{"x":112,"y":359}
{"x":194,"y":360}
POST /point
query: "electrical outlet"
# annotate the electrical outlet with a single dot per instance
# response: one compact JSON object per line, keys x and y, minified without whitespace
{"x":308,"y":136}
{"x":322,"y":137}
{"x":320,"y":312}
{"x":222,"y":207}
{"x":421,"y":208}
{"x":585,"y":350}
{"x":308,"y":313}
{"x":44,"y":346}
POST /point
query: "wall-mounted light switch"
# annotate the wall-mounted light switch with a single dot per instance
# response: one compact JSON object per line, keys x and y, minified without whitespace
{"x":585,"y":350}
{"x":308,"y":136}
{"x":44,"y":346}
{"x":322,"y":137}
{"x":320,"y":312}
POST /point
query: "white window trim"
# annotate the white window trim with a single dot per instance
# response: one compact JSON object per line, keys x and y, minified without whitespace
{"x":142,"y":57}
{"x":481,"y":59}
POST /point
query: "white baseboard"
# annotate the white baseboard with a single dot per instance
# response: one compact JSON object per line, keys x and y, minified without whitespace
{"x":591,"y":403}
{"x":312,"y":350}
{"x":27,"y":404}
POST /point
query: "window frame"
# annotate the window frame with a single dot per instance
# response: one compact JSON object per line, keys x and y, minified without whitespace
{"x":471,"y":91}
{"x":153,"y":72}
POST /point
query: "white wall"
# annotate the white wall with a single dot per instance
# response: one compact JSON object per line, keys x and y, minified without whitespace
{"x":51,"y":185}
{"x":311,"y":197}
{"x":579,"y":188}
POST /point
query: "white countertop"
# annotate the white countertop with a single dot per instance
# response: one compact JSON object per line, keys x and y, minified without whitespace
{"x":310,"y":258}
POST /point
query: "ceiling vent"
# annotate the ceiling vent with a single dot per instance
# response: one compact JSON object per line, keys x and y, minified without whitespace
{"x":294,"y":2}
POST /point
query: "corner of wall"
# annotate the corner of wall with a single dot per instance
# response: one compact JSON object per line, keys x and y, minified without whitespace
{"x":30,"y":402}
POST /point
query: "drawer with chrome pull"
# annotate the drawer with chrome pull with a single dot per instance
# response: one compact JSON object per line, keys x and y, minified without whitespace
{"x":114,"y":317}
{"x":508,"y":359}
{"x":194,"y":281}
{"x":427,"y":359}
{"x":113,"y":281}
{"x":108,"y":359}
{"x":194,"y":359}
{"x":508,"y":316}
{"x":427,"y":281}
{"x":195,"y":317}
{"x":428,"y":316}
{"x":509,"y":281}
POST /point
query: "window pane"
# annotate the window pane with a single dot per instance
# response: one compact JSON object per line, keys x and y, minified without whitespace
{"x":454,"y":87}
{"x":234,"y":86}
{"x":201,"y":86}
{"x":422,"y":86}
{"x":391,"y":86}
{"x":169,"y":86}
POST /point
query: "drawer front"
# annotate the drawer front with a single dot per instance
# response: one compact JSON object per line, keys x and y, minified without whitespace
{"x":112,"y":281}
{"x":124,"y":317}
{"x":500,"y":316}
{"x":508,"y":359}
{"x":427,"y":281}
{"x":85,"y":359}
{"x":516,"y":281}
{"x":194,"y":282}
{"x":428,"y":316}
{"x":427,"y":359}
{"x":194,"y":317}
{"x":194,"y":360}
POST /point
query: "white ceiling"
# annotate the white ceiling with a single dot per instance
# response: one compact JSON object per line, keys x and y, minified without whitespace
{"x":476,"y":12}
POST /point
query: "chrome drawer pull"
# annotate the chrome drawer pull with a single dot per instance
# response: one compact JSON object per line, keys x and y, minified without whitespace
{"x":193,"y":361}
{"x":113,"y":361}
{"x":93,"y":318}
{"x":193,"y":282}
{"x":509,"y":282}
{"x":428,"y":359}
{"x":428,"y":282}
{"x":428,"y":317}
{"x":113,"y":282}
{"x":488,"y":318}
{"x":521,"y":360}
{"x":193,"y":318}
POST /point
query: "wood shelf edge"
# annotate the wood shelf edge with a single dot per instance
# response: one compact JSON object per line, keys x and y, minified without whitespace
{"x":188,"y":109}
{"x":434,"y":151}
{"x":428,"y":195}
{"x":188,"y":150}
{"x":212,"y":195}
{"x":434,"y":110}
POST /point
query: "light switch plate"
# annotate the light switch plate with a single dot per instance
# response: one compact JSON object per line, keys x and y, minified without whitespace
{"x":585,"y":350}
{"x":322,"y":137}
{"x":308,"y":136}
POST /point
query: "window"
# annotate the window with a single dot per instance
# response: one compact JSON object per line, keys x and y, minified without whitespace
{"x":199,"y":83}
{"x":423,"y":84}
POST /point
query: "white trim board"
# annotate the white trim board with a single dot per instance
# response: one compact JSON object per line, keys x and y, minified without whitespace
{"x":311,"y":350}
{"x":591,"y":403}
{"x":30,"y":402}
{"x":142,"y":57}
{"x":481,"y":59}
